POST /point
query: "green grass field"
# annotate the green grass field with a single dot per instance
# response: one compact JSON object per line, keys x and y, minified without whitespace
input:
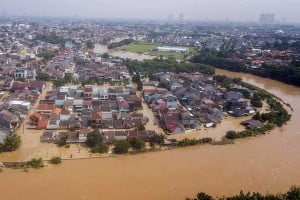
{"x":146,"y":48}
{"x":141,"y":47}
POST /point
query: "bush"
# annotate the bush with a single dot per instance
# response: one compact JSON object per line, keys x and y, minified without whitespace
{"x":137,"y":143}
{"x":157,"y":139}
{"x":186,"y":142}
{"x":55,"y":160}
{"x":121,"y":147}
{"x":141,"y":128}
{"x":34,"y":163}
{"x":100,"y":148}
{"x":62,"y":141}
{"x":231,"y":135}
{"x":205,"y":140}
{"x":94,"y":138}
{"x":292,"y":194}
{"x":10,"y":143}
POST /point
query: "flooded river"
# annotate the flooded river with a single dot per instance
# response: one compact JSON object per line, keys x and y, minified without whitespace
{"x":267,"y":163}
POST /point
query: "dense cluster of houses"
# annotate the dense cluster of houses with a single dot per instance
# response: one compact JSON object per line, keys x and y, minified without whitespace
{"x":74,"y":108}
{"x":187,"y":102}
{"x":14,"y":107}
{"x":80,"y":136}
{"x":103,"y":69}
{"x":190,"y":100}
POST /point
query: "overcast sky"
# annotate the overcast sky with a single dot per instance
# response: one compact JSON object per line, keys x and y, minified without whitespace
{"x":237,"y":10}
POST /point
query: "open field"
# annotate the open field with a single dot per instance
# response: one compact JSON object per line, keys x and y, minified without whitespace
{"x":146,"y":48}
{"x":140,"y":47}
{"x":177,"y":56}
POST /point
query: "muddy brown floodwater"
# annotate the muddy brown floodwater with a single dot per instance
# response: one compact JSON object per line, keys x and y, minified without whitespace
{"x":267,"y":163}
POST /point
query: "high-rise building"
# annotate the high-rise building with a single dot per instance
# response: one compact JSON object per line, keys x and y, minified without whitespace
{"x":170,"y":17}
{"x":180,"y":17}
{"x":267,"y":18}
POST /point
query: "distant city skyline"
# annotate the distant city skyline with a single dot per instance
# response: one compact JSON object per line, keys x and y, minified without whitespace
{"x":203,"y":10}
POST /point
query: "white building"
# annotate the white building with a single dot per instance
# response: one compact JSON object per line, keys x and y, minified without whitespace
{"x":173,"y":49}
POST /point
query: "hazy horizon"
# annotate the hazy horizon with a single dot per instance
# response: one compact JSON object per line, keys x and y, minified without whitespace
{"x":235,"y":10}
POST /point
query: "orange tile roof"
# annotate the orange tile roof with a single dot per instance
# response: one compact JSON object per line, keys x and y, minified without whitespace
{"x":45,"y":107}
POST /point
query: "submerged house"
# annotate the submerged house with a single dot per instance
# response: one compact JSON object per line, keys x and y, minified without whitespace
{"x":8,"y":120}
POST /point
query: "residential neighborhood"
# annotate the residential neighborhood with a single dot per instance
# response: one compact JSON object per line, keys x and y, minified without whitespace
{"x":54,"y":80}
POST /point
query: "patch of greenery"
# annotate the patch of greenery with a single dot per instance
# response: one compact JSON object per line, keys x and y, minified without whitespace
{"x":52,"y":38}
{"x":55,"y":160}
{"x":10,"y":143}
{"x":43,"y":76}
{"x":190,"y":142}
{"x":140,"y":47}
{"x":46,"y":55}
{"x":95,"y":142}
{"x":174,"y":55}
{"x":62,"y":141}
{"x":90,"y":45}
{"x":121,"y":147}
{"x":34,"y":163}
{"x":120,"y":44}
{"x":100,"y":148}
{"x":223,"y":59}
{"x":150,"y":67}
{"x":231,"y":135}
{"x":157,"y":139}
{"x":292,"y":194}
{"x":137,"y":143}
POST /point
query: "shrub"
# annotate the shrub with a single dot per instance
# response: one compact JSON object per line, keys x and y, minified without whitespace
{"x":10,"y":143}
{"x":34,"y":163}
{"x":231,"y":135}
{"x":62,"y":141}
{"x":121,"y":147}
{"x":100,"y":148}
{"x":137,"y":143}
{"x":55,"y":160}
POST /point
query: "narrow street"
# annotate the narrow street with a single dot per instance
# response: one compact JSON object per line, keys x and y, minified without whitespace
{"x":152,"y":123}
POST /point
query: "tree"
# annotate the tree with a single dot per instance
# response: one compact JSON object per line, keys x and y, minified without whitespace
{"x":68,"y":78}
{"x":121,"y":43}
{"x":95,"y":142}
{"x":139,"y":86}
{"x":256,"y":101}
{"x":157,"y":139}
{"x":121,"y":147}
{"x":43,"y":76}
{"x":141,"y":128}
{"x":62,"y":141}
{"x":293,"y":193}
{"x":59,"y":82}
{"x":11,"y":143}
{"x":100,"y":148}
{"x":46,"y":55}
{"x":105,"y":55}
{"x":203,"y":196}
{"x":94,"y":138}
{"x":137,"y":143}
{"x":90,"y":45}
{"x":51,"y":38}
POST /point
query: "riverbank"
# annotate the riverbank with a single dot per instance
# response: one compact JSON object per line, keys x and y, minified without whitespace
{"x":137,"y":177}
